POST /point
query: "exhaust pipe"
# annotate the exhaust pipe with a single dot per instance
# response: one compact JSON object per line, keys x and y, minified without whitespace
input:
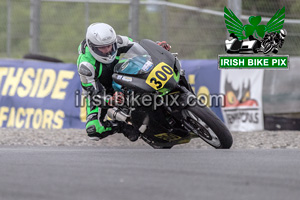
{"x":116,"y":114}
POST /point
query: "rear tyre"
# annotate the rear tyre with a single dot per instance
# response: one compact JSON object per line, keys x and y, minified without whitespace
{"x":208,"y":126}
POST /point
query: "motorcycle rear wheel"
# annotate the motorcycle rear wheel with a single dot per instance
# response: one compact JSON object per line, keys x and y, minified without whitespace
{"x":208,"y":126}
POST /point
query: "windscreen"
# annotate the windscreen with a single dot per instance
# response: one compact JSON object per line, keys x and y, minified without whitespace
{"x":135,"y":61}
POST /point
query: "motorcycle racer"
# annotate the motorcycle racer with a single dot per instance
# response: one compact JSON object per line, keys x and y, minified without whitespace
{"x":98,"y":54}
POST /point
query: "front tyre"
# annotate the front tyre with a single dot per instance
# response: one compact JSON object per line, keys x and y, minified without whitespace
{"x":204,"y":123}
{"x":268,"y":48}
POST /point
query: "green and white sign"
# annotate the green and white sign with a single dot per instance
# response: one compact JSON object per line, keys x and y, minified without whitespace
{"x":253,"y":62}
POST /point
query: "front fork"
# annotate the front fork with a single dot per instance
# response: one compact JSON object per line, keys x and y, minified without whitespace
{"x":184,"y":82}
{"x":186,"y":97}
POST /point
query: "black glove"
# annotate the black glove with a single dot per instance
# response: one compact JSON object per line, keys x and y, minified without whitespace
{"x":97,"y":94}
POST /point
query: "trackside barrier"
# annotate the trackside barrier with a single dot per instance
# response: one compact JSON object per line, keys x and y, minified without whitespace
{"x":39,"y":94}
{"x":204,"y":77}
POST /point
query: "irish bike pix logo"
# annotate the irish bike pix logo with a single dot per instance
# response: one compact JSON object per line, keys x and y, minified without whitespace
{"x":254,"y":45}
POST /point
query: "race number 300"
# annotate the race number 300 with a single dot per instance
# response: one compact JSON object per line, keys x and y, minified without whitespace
{"x":159,"y":76}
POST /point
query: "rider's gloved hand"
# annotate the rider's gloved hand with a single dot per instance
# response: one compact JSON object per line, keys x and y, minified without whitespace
{"x":164,"y":45}
{"x":117,"y":99}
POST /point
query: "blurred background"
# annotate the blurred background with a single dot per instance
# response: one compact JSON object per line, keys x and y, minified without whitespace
{"x":194,"y":28}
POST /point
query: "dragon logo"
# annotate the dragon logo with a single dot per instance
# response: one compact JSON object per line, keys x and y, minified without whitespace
{"x":236,"y":97}
{"x":272,"y":35}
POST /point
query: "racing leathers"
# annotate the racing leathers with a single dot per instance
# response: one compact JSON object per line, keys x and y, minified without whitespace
{"x":96,"y":79}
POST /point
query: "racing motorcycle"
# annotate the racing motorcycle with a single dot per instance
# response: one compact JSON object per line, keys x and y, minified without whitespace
{"x":149,"y":72}
{"x":272,"y":41}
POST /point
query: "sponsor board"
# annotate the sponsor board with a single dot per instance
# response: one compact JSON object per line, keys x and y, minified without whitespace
{"x":36,"y":94}
{"x":243,"y":110}
{"x":204,"y":77}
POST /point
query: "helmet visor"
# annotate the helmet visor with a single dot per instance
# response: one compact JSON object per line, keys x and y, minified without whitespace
{"x":104,"y":50}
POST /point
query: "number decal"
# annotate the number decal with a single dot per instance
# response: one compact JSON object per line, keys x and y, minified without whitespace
{"x":167,"y":69}
{"x":156,"y":82}
{"x":159,"y":76}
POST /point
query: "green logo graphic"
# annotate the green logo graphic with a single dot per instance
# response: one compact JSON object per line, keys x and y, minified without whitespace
{"x":235,"y":26}
{"x":254,"y":38}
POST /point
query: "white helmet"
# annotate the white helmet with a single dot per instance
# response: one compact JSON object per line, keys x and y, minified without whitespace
{"x":101,"y":35}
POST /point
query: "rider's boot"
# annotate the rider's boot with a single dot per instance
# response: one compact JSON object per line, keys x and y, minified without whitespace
{"x":130,"y":132}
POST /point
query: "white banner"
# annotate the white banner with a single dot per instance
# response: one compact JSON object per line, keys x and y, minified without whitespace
{"x":243,"y":110}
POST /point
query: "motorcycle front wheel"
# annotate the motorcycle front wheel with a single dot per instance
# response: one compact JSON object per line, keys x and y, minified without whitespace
{"x":268,"y":48}
{"x":205,"y":124}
